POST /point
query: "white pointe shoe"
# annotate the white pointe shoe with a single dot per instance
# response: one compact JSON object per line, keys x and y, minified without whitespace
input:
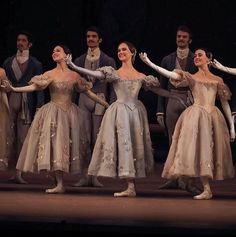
{"x":206,"y":195}
{"x":55,"y":190}
{"x":126,"y":193}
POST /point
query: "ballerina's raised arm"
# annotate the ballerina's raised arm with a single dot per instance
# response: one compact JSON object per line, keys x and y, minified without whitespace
{"x":216,"y":64}
{"x":164,"y":72}
{"x":96,"y":74}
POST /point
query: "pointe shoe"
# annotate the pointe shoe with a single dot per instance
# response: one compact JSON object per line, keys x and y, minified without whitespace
{"x":55,"y":190}
{"x":206,"y":195}
{"x":170,"y":184}
{"x":126,"y":193}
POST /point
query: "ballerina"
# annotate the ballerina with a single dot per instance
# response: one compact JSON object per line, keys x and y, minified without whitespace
{"x":57,"y":140}
{"x":123,"y":147}
{"x":201,"y":140}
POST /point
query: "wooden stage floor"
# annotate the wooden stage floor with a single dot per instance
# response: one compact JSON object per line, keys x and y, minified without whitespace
{"x":26,"y":208}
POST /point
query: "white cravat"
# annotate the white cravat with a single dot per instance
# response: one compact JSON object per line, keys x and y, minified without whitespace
{"x":23,"y":56}
{"x":93,"y":55}
{"x":182,"y":53}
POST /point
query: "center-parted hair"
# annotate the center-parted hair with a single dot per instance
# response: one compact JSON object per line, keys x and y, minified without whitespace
{"x":132,"y":49}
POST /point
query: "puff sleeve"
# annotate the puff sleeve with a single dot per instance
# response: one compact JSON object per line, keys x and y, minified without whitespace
{"x":223,"y":91}
{"x":110,"y":74}
{"x":40,"y":81}
{"x":184,"y":81}
{"x":150,"y":82}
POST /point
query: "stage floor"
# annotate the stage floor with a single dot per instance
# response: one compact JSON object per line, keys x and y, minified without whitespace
{"x":94,"y":210}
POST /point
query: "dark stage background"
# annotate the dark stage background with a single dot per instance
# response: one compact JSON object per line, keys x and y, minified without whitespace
{"x":149,"y":24}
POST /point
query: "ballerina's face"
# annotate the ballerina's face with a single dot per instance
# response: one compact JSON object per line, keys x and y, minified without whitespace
{"x":124,"y":53}
{"x":200,"y":58}
{"x":58,"y":54}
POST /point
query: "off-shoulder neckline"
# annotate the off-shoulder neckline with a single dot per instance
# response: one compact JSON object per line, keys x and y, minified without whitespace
{"x":135,"y":79}
{"x":122,"y":79}
{"x":204,"y":81}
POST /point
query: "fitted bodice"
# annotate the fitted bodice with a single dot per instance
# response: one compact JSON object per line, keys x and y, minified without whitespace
{"x":204,"y":91}
{"x":61,"y":91}
{"x":204,"y":94}
{"x":127,"y":90}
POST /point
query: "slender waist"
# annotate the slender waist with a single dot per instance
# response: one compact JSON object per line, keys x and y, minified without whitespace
{"x":207,"y":107}
{"x":135,"y":100}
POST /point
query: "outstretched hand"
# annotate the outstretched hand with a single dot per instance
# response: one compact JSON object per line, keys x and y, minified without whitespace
{"x":144,"y":58}
{"x":216,"y":64}
{"x":68,"y":59}
{"x":6,"y":85}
